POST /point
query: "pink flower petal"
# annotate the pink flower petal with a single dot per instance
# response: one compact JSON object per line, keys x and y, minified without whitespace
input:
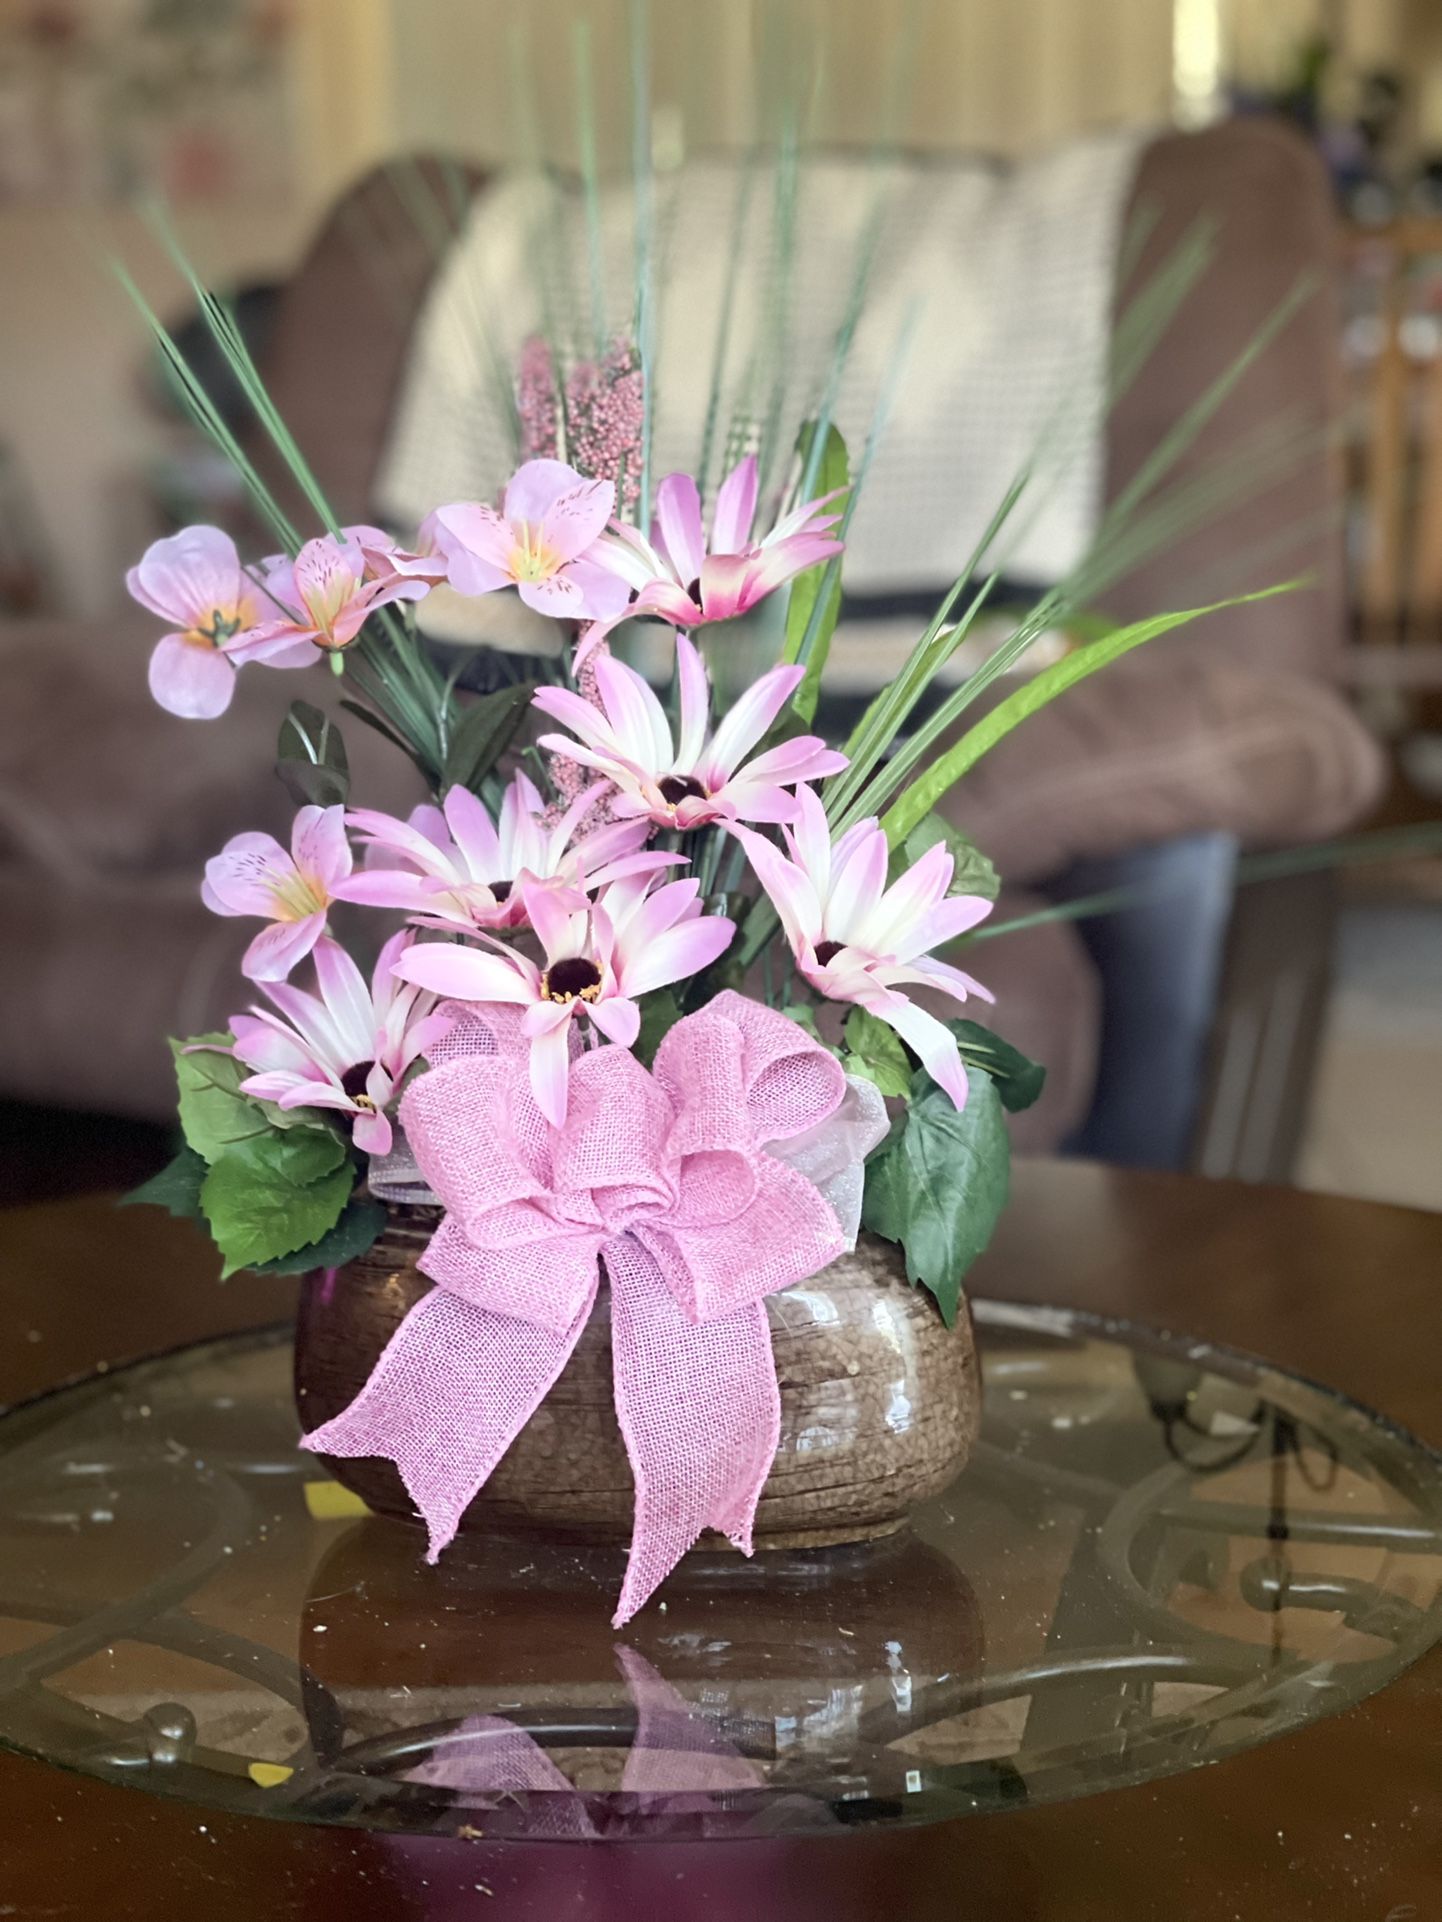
{"x":577,"y":519}
{"x":559,"y":597}
{"x":464,"y":974}
{"x":319,"y":846}
{"x":723,"y":586}
{"x":695,"y":704}
{"x":372,"y":1133}
{"x":477,"y":545}
{"x":535,"y":488}
{"x":642,"y":731}
{"x":278,"y":948}
{"x":678,"y":515}
{"x":676,"y":954}
{"x":746,"y":722}
{"x":470,"y":823}
{"x":192,"y":681}
{"x":606,"y":598}
{"x":242,"y":878}
{"x":926,"y":1037}
{"x":276,"y":644}
{"x":735,"y":509}
{"x":551,"y":1070}
{"x":618,"y":1019}
{"x":189,"y":576}
{"x":347,"y":999}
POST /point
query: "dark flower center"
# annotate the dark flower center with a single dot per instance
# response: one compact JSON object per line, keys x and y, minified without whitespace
{"x":682,"y":787}
{"x":353,"y":1084}
{"x":501,"y":890}
{"x":575,"y":978}
{"x":693,"y":592}
{"x":827,"y":951}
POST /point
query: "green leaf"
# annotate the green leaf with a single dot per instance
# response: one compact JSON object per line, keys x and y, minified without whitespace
{"x":214,"y":1115}
{"x":176,"y":1187}
{"x":938,"y":1186}
{"x":484,"y":733}
{"x":804,"y":1017}
{"x":972,"y":872}
{"x":876,"y":1053}
{"x":359,"y":1226}
{"x":659,"y":1013}
{"x":814,"y":602}
{"x":311,"y":758}
{"x":926,"y":790}
{"x":270,"y":1196}
{"x":1018,"y":1080}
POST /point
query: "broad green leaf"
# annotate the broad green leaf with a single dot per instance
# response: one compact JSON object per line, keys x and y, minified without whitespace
{"x":972,"y":873}
{"x":917,"y":801}
{"x":804,"y":1017}
{"x":311,"y":758}
{"x":270,"y":1196}
{"x":876,"y":1053}
{"x":359,"y":1226}
{"x":1018,"y":1080}
{"x":814,"y":602}
{"x":176,"y":1187}
{"x":659,"y":1013}
{"x":483,"y":734}
{"x":938,"y":1186}
{"x":214,"y":1115}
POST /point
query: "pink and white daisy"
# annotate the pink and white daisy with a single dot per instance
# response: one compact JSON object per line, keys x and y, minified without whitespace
{"x":452,"y":868}
{"x":597,"y":963}
{"x":195,"y":582}
{"x":323,"y":597}
{"x":687,"y":580}
{"x":542,"y":543}
{"x":685,"y":782}
{"x":855,"y":939}
{"x":347,"y":1050}
{"x":253,"y":874}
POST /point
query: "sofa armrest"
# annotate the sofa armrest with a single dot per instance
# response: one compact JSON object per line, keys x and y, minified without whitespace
{"x":1152,"y":750}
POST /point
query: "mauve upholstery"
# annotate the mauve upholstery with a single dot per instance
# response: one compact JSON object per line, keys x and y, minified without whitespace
{"x":108,"y":806}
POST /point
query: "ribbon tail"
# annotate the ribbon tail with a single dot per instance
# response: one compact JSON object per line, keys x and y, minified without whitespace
{"x":679,"y":1759}
{"x":700,"y":1412}
{"x":451,"y":1391}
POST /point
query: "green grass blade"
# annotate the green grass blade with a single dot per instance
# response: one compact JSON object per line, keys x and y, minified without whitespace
{"x":922,"y":796}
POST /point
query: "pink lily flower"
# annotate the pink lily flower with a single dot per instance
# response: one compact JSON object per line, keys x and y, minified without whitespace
{"x":543,"y":543}
{"x":194,"y":581}
{"x":597,"y":962}
{"x":686,"y":782}
{"x":253,"y":874}
{"x":687,"y":581}
{"x":452,"y":868}
{"x":323,"y":597}
{"x":348,"y":1050}
{"x":855,"y":939}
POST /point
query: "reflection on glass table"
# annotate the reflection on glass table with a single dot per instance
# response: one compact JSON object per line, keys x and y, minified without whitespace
{"x":1161,"y":1553}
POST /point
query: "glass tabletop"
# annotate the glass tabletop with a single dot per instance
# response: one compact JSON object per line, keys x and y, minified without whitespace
{"x":1160,"y":1553}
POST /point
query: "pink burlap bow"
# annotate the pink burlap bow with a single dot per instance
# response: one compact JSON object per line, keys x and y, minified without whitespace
{"x":666,"y":1176}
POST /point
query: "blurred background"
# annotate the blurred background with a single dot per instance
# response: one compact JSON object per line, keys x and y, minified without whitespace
{"x":341,"y":170}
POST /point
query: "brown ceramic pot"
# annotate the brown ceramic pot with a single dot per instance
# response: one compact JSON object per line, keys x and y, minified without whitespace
{"x":880,"y":1401}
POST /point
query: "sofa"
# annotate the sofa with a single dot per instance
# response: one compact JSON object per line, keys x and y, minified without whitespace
{"x":1156,"y":774}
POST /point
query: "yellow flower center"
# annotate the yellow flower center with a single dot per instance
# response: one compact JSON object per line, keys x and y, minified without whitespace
{"x":224,"y":621}
{"x":531,"y":558}
{"x":296,"y":898}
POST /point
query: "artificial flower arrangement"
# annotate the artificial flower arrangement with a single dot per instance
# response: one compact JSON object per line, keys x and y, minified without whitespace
{"x":639,"y":1030}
